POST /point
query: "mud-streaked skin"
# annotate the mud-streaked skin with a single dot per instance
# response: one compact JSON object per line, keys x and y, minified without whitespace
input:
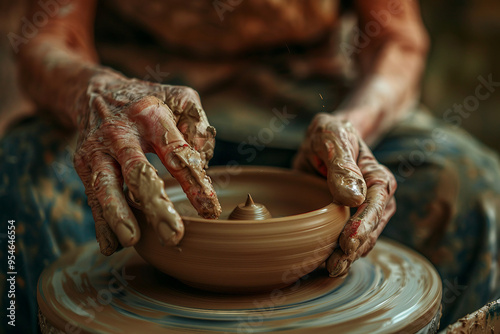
{"x":334,"y":149}
{"x":118,"y":120}
{"x":126,"y":119}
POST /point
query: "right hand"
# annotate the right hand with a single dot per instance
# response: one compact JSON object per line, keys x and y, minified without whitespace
{"x":122,"y":119}
{"x":335,"y":149}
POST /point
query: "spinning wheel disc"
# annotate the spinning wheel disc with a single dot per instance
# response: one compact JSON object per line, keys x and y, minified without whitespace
{"x":391,"y":290}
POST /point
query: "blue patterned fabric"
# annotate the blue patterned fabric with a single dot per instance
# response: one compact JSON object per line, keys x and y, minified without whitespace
{"x":41,"y":191}
{"x":448,"y":202}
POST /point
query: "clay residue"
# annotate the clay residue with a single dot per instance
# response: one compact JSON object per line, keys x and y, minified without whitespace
{"x":195,"y":182}
{"x":191,"y":120}
{"x":147,"y":189}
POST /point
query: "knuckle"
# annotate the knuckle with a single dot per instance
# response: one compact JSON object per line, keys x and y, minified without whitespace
{"x":78,"y":161}
{"x":195,"y":113}
{"x":127,"y":153}
{"x":189,"y":92}
{"x":380,"y":175}
{"x":319,"y":121}
{"x":389,"y":179}
{"x":117,"y":140}
{"x":181,"y":98}
{"x":137,"y":108}
{"x":149,"y":100}
{"x":101,"y":180}
{"x":135,"y":163}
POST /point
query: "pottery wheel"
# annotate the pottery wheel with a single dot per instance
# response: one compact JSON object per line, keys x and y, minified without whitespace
{"x":392,"y":290}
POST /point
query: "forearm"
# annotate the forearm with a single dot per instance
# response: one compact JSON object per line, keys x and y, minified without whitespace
{"x":55,"y":79}
{"x":385,"y":95}
{"x":390,"y":71}
{"x":57,"y":65}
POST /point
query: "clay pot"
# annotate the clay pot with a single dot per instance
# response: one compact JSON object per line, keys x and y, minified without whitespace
{"x":247,"y":256}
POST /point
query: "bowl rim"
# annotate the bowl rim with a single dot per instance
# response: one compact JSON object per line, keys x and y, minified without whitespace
{"x":248,"y":168}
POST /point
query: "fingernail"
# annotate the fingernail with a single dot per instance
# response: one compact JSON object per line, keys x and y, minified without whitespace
{"x":352,"y":236}
{"x":125,"y":234}
{"x":347,"y":191}
{"x":358,"y":190}
{"x":335,"y":262}
{"x":338,"y":268}
{"x":209,"y":208}
{"x":167,"y":235}
{"x":351,"y":245}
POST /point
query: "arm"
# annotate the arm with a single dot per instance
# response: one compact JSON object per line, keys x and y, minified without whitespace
{"x":391,"y":61}
{"x":57,"y":64}
{"x":118,"y":120}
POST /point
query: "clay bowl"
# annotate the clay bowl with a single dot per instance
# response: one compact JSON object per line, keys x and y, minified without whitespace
{"x":247,"y":256}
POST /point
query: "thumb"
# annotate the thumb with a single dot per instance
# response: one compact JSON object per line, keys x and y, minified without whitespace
{"x":344,"y":178}
{"x":345,"y":182}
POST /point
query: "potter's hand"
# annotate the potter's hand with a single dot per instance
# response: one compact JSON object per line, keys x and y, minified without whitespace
{"x":125,"y":119}
{"x":334,"y":148}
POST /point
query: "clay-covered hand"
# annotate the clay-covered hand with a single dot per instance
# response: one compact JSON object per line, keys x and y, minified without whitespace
{"x":334,"y":149}
{"x":120,"y":120}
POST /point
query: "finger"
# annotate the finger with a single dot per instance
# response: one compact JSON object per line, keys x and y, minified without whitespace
{"x":107,"y":185}
{"x":192,"y":121}
{"x":381,"y":187}
{"x":335,"y":147}
{"x":370,"y":243}
{"x":108,"y":243}
{"x":181,"y":160}
{"x":147,"y":189}
{"x":199,"y":135}
{"x":145,"y":186}
{"x":339,"y":263}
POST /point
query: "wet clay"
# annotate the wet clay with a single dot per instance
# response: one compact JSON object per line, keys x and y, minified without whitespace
{"x":147,"y":185}
{"x":392,"y":290}
{"x":250,"y":211}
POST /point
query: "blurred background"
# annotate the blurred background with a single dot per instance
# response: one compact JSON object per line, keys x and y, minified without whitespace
{"x":465,"y":37}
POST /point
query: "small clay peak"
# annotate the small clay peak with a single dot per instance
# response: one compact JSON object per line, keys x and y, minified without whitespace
{"x":249,"y":201}
{"x":250,"y":211}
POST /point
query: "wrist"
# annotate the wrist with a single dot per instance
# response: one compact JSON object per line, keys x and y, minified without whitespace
{"x":92,"y":81}
{"x":362,"y":119}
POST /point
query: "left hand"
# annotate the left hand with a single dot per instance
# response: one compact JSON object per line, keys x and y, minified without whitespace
{"x":355,"y":178}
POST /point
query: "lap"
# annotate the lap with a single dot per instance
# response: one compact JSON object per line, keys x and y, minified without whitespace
{"x":41,"y":191}
{"x":448,"y":196}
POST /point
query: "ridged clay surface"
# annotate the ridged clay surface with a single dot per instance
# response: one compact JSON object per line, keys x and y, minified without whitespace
{"x":247,"y":256}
